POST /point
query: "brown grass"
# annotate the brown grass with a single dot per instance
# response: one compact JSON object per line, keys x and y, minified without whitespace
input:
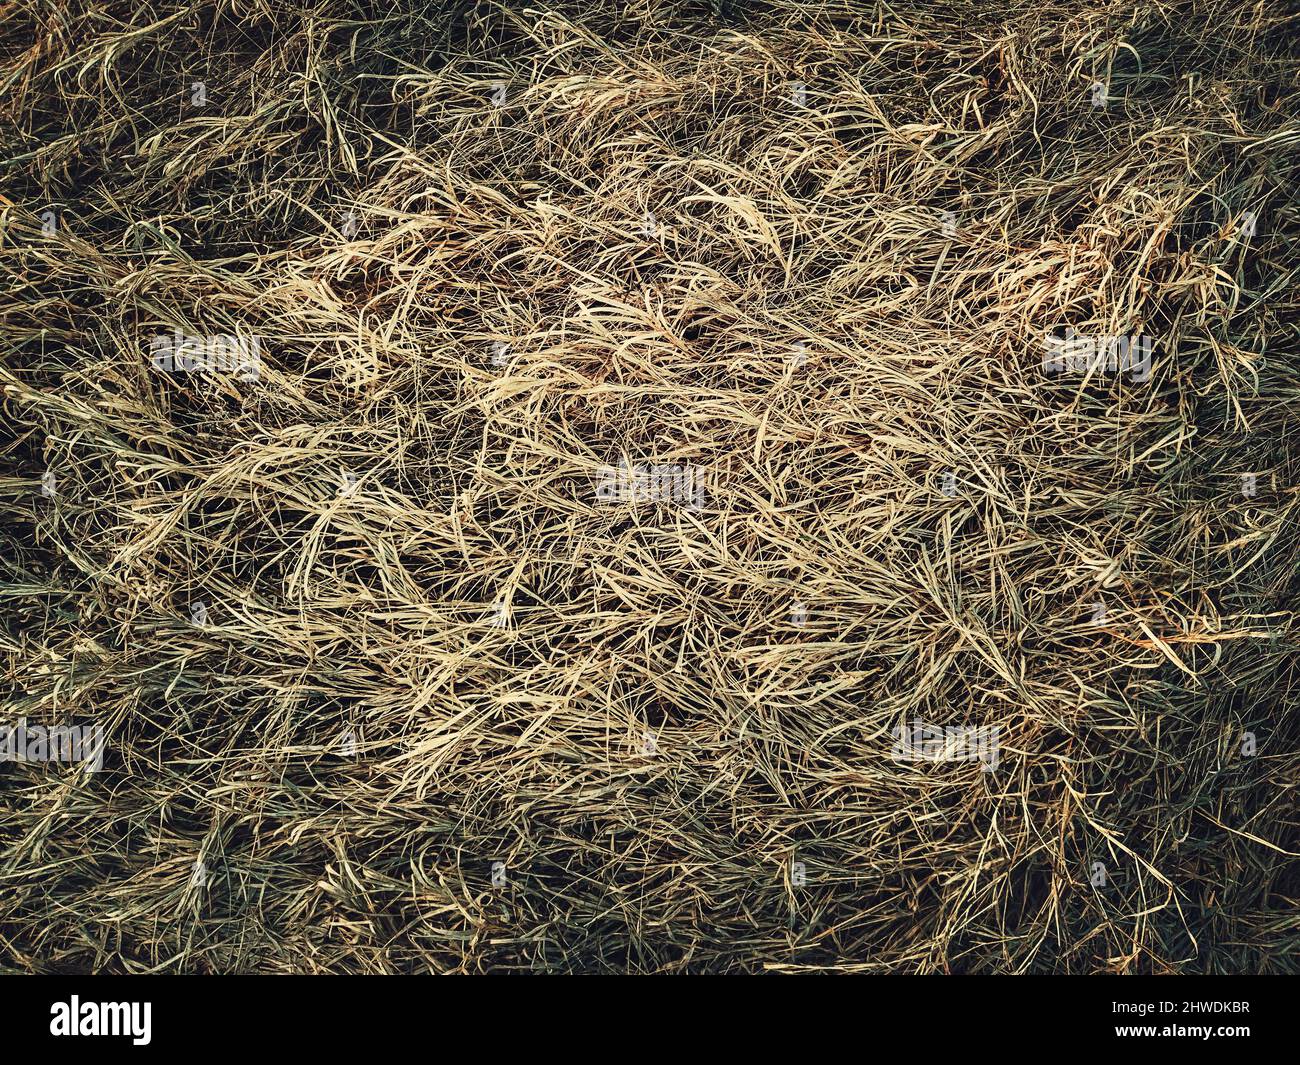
{"x":650,"y":741}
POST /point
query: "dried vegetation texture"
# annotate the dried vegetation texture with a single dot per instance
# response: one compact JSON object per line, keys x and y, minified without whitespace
{"x":449,"y":710}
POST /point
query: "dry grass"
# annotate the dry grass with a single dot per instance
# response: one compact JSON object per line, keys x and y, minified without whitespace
{"x":651,"y":740}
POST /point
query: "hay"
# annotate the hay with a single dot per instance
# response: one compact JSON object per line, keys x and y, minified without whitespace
{"x":415,"y":649}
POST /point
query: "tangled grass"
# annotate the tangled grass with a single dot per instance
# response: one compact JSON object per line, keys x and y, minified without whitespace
{"x":449,"y":710}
